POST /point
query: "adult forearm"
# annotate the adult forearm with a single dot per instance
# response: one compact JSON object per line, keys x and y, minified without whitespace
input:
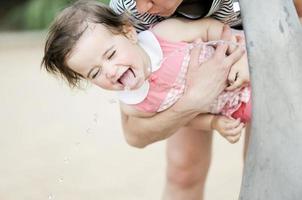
{"x":140,"y":132}
{"x":202,"y":122}
{"x":298,"y":5}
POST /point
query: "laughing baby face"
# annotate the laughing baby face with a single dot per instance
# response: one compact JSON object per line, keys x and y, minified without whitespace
{"x":110,"y":61}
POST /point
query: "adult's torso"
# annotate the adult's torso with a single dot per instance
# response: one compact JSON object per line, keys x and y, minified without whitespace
{"x":221,"y":10}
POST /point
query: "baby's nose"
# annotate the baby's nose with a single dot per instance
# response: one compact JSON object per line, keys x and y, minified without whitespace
{"x":111,"y":72}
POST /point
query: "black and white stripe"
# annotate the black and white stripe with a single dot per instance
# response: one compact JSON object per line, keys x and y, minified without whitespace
{"x":223,"y":11}
{"x":220,"y":9}
{"x":141,"y":21}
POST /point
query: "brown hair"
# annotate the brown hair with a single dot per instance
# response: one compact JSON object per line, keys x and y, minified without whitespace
{"x":66,"y":30}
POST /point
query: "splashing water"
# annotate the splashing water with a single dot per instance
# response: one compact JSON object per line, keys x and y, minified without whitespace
{"x":96,"y":117}
{"x":88,"y":131}
{"x":66,"y":160}
{"x":112,"y":101}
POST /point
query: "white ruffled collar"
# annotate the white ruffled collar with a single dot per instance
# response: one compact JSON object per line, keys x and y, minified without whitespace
{"x":150,"y":45}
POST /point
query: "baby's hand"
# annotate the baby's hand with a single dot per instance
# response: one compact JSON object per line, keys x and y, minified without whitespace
{"x":230,"y":129}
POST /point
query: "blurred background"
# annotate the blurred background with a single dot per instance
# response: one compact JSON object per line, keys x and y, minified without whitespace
{"x":29,"y":14}
{"x":61,"y":144}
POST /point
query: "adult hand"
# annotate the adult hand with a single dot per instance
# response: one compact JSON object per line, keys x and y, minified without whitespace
{"x":207,"y":80}
{"x":239,"y":75}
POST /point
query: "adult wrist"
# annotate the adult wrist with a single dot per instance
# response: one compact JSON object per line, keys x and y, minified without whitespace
{"x":192,"y":104}
{"x":213,"y":123}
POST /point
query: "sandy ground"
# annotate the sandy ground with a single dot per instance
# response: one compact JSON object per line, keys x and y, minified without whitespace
{"x":56,"y":143}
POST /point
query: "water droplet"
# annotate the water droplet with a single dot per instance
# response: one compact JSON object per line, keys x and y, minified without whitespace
{"x":66,"y":160}
{"x":88,"y":131}
{"x":95,"y":117}
{"x":60,"y":180}
{"x":51,"y":196}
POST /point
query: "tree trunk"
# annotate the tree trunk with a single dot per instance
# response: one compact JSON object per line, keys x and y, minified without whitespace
{"x":273,"y":169}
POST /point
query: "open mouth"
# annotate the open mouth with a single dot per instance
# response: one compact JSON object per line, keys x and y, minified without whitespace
{"x":128,"y":78}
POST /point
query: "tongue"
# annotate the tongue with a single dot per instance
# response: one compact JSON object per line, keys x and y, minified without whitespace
{"x":128,"y":79}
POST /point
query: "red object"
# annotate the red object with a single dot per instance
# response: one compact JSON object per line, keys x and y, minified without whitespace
{"x":244,"y":112}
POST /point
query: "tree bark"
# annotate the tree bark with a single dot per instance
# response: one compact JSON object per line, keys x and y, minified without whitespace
{"x":273,"y":168}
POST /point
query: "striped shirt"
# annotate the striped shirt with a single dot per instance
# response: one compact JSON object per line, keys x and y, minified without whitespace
{"x":221,"y":10}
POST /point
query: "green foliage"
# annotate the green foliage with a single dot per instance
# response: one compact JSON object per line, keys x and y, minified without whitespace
{"x":34,"y":14}
{"x":39,"y":13}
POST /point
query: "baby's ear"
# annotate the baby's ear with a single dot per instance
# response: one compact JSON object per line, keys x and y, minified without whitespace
{"x":130,"y":33}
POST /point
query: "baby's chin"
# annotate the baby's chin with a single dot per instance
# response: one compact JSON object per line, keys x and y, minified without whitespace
{"x":139,"y":83}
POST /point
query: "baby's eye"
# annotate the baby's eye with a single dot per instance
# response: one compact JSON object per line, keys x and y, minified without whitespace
{"x":96,"y":73}
{"x":112,"y":54}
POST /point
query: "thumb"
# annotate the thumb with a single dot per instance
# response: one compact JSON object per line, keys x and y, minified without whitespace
{"x":232,"y":76}
{"x":235,"y":85}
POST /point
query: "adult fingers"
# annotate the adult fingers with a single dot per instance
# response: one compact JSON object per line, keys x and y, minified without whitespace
{"x":237,"y":84}
{"x":195,"y":52}
{"x":235,"y":56}
{"x":240,"y":40}
{"x":226,"y":34}
{"x":222,"y":48}
{"x":232,"y":76}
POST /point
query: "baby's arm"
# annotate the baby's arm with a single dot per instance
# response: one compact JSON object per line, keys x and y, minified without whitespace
{"x":228,"y":128}
{"x":189,"y":30}
{"x":208,"y":30}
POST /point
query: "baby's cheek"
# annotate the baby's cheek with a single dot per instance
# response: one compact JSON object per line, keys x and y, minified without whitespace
{"x":97,"y":82}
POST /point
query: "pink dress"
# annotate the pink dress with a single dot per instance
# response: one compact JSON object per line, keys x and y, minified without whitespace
{"x":167,"y":84}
